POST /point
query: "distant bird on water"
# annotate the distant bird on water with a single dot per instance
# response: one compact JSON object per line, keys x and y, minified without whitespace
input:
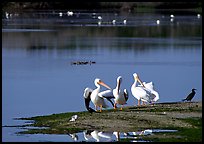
{"x":190,"y":96}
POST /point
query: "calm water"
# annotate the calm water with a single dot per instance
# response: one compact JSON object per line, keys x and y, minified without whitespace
{"x":38,"y":48}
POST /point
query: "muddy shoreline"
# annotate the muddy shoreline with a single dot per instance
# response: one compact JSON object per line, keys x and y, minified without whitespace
{"x":174,"y":115}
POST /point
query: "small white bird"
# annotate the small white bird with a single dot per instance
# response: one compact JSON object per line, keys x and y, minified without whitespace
{"x":60,"y":14}
{"x":73,"y":118}
{"x":114,"y":21}
{"x":70,"y":13}
{"x":171,"y":16}
{"x":198,"y":16}
{"x":100,"y":17}
{"x":7,"y":15}
{"x":125,"y":21}
{"x":158,"y":22}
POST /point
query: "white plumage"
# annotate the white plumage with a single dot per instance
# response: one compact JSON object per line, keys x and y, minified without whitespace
{"x":140,"y":92}
{"x":120,"y":97}
{"x":73,"y":118}
{"x":95,"y":95}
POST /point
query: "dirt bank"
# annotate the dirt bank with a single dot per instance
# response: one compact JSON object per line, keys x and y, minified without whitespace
{"x":161,"y":115}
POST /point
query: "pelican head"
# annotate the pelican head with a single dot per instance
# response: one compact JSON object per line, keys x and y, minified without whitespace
{"x":98,"y":82}
{"x":119,"y":79}
{"x":136,"y":77}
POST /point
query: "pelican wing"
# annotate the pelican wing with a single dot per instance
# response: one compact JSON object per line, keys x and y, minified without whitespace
{"x":145,"y":94}
{"x":106,"y":94}
{"x":155,"y":96}
{"x":149,"y":88}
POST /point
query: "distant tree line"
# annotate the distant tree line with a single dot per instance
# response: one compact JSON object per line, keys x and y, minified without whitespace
{"x":17,"y":6}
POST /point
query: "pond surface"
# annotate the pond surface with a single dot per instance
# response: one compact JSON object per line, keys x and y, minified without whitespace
{"x":38,"y":49}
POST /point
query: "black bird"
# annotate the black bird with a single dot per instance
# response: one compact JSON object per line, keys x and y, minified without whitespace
{"x":190,"y":96}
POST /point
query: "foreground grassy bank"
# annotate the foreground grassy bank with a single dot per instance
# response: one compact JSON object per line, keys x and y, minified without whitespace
{"x":186,"y":117}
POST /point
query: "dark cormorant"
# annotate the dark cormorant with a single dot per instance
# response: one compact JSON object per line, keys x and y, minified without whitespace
{"x":190,"y":96}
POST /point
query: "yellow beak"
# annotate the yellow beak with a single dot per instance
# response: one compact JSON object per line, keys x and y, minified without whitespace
{"x":137,"y":78}
{"x":103,"y":84}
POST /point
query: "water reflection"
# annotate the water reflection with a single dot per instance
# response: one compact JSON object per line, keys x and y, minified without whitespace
{"x":107,"y":136}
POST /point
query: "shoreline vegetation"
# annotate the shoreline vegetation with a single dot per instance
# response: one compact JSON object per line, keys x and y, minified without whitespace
{"x":186,"y":117}
{"x":12,"y":7}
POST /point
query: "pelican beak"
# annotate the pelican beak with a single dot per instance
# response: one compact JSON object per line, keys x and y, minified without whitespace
{"x":103,"y":84}
{"x":137,"y":78}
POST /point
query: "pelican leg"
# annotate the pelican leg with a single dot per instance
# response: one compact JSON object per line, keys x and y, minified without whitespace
{"x":138,"y":102}
{"x":121,"y":107}
{"x":96,"y":107}
{"x":143,"y":103}
{"x":115,"y":105}
{"x":100,"y":108}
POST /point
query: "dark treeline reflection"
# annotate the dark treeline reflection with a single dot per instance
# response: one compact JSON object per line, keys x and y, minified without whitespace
{"x":93,"y":37}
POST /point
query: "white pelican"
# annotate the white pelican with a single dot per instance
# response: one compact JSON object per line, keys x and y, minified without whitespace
{"x":120,"y":97}
{"x":95,"y":96}
{"x":154,"y":94}
{"x":140,"y":92}
{"x":100,"y":17}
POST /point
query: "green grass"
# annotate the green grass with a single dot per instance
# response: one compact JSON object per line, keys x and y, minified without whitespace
{"x":59,"y":123}
{"x":183,"y":135}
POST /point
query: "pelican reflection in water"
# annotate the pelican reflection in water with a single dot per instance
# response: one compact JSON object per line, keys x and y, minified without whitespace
{"x":100,"y":136}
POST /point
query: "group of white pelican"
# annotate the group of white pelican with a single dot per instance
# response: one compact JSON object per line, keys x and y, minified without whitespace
{"x":144,"y":92}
